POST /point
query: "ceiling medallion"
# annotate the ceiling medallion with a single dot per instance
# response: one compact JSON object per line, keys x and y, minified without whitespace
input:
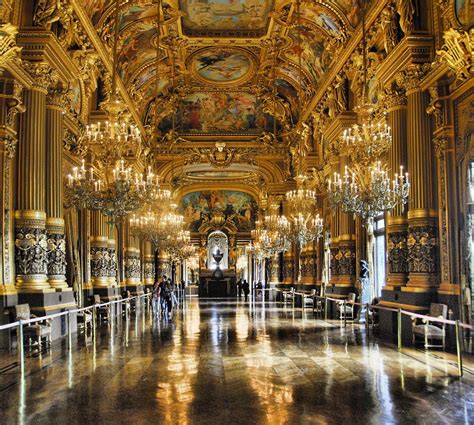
{"x":222,"y":66}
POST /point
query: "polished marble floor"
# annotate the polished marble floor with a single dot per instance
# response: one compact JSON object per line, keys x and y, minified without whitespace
{"x":226,"y":362}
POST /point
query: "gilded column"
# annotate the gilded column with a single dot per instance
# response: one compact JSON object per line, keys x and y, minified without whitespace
{"x":148,"y":265}
{"x":422,"y":229}
{"x":99,"y":254}
{"x":397,"y":224}
{"x":56,"y":103}
{"x":132,"y":262}
{"x":347,"y":253}
{"x":31,"y":256}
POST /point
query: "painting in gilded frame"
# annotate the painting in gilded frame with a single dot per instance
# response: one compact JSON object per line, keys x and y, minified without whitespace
{"x":465,"y":12}
{"x":240,"y":206}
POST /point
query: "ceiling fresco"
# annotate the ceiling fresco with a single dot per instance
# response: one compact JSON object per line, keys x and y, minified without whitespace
{"x":219,"y":113}
{"x":222,"y":66}
{"x":223,"y":59}
{"x":225,"y":18}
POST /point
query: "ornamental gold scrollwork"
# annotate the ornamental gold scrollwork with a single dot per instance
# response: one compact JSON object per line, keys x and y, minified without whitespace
{"x":31,"y":251}
{"x":9,"y":51}
{"x":56,"y":255}
{"x":42,"y":74}
{"x":458,"y":52}
{"x":149,"y":269}
{"x":100,"y":261}
{"x":422,"y":250}
{"x":132,"y":267}
{"x":397,"y":252}
{"x":220,"y":156}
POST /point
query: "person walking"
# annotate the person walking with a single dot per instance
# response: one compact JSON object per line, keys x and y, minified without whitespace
{"x":163,"y":304}
{"x":156,"y":298}
{"x":246,"y":289}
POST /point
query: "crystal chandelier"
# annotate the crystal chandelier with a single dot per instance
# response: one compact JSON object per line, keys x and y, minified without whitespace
{"x":306,"y":224}
{"x":278,"y":229}
{"x":368,"y":192}
{"x":116,"y":195}
{"x":115,"y":149}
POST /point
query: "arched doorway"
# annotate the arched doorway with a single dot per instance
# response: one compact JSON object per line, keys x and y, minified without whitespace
{"x":217,"y":240}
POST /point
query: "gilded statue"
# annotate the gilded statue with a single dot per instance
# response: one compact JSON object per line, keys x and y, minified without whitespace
{"x":407,"y":10}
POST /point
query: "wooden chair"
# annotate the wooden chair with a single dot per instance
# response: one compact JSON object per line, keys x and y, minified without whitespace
{"x":348,"y":312}
{"x":38,"y":330}
{"x":431,"y":330}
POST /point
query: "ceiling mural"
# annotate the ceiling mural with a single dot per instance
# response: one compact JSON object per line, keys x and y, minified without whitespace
{"x":225,"y":17}
{"x":221,"y":66}
{"x":239,"y":207}
{"x":219,"y":113}
{"x":316,"y":52}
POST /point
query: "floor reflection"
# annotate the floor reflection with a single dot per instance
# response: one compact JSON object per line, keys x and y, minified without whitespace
{"x":230,"y":362}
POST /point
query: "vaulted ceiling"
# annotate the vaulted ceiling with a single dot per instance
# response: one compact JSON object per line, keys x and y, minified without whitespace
{"x":222,"y":55}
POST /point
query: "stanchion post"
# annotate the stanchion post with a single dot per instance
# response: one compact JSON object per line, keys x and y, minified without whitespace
{"x":325,"y":309}
{"x":94,"y":318}
{"x":69,"y":329}
{"x":399,"y":328}
{"x":367,"y":316}
{"x":21,"y":347}
{"x":459,"y":349}
{"x":344,"y":304}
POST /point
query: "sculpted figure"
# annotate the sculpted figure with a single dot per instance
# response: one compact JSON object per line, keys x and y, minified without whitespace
{"x":407,"y":10}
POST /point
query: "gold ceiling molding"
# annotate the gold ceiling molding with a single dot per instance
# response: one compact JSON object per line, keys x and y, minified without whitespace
{"x":220,"y":156}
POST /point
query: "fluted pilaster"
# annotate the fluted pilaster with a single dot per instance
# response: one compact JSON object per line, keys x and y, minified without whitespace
{"x":422,"y":240}
{"x":397,"y":223}
{"x":55,"y":192}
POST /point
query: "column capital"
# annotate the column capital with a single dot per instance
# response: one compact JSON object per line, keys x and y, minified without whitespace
{"x":440,"y":144}
{"x":58,"y":97}
{"x":42,"y":74}
{"x":410,"y":79}
{"x":394,"y":98}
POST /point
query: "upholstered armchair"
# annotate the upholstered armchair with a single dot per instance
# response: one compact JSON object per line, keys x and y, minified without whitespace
{"x":36,"y":330}
{"x":431,"y":331}
{"x":308,"y":299}
{"x":348,"y":311}
{"x":289,"y":295}
{"x":84,"y":318}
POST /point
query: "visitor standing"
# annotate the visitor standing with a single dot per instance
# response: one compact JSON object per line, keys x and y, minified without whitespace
{"x":246,"y":289}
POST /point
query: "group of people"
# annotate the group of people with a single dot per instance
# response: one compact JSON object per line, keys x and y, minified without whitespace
{"x":164,"y":298}
{"x":243,"y":286}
